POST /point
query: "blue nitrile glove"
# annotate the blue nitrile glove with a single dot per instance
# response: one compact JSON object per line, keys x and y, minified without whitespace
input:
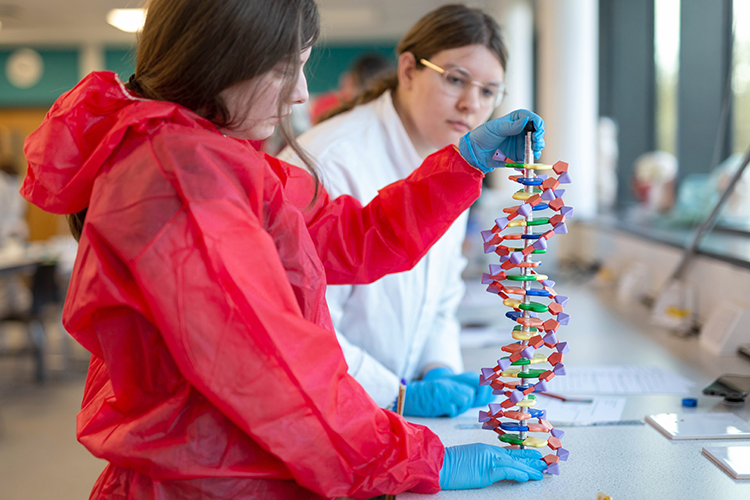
{"x":478,"y":465}
{"x":483,"y":393}
{"x":506,"y":134}
{"x":437,"y":398}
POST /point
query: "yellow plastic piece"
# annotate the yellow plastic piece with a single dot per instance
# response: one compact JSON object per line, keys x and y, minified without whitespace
{"x":541,"y":277}
{"x":521,"y":335}
{"x":511,"y":372}
{"x":522,"y":195}
{"x":528,"y":403}
{"x":536,"y":166}
{"x":535,"y":442}
{"x":514,"y":303}
{"x":517,"y":223}
{"x":538,"y":358}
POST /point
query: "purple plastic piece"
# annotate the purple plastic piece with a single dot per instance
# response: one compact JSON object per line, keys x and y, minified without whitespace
{"x":528,"y":353}
{"x":484,"y":416}
{"x":562,"y":347}
{"x":567,"y":211}
{"x":543,"y":177}
{"x":564,"y":178}
{"x":489,"y":248}
{"x":559,"y":369}
{"x":559,"y":193}
{"x":503,"y":363}
{"x":498,"y":156}
{"x":557,"y":433}
{"x":487,"y":372}
{"x":502,"y":222}
{"x":516,"y":257}
{"x":487,"y":427}
{"x":563,"y":318}
{"x":548,"y":195}
{"x":543,"y":414}
{"x":486,"y":279}
{"x":504,"y":258}
{"x":548,"y":283}
{"x":561,"y":228}
{"x":495,"y":407}
{"x":516,"y":396}
{"x":540,"y":386}
{"x":524,"y":210}
{"x":563,"y":454}
{"x":497,"y":392}
{"x":483,"y":381}
{"x":495,"y":269}
{"x":540,"y":244}
{"x":553,"y":469}
{"x":487,"y":235}
{"x":561,"y":299}
{"x":550,"y":338}
{"x":492,"y":290}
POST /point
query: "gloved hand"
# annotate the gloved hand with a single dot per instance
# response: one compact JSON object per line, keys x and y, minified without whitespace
{"x":437,"y":398}
{"x":506,"y":134}
{"x":483,"y":393}
{"x":478,"y":465}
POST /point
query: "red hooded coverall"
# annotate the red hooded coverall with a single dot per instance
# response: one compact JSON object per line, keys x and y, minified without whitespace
{"x":199,"y":290}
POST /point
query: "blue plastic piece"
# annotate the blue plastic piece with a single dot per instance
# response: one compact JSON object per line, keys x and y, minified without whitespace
{"x":530,"y":236}
{"x":512,"y":426}
{"x":540,"y":206}
{"x":689,"y":402}
{"x":537,"y":292}
{"x":536,"y":413}
{"x":514,"y":315}
{"x":529,"y":181}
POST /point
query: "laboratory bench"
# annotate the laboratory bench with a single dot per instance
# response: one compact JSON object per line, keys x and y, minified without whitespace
{"x":630,"y":460}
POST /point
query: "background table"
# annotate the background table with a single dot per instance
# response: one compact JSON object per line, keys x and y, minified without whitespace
{"x":624,"y":461}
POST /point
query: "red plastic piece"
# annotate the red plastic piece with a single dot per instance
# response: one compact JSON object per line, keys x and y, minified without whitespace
{"x":507,"y":403}
{"x":554,"y":443}
{"x":534,"y":200}
{"x":549,"y":234}
{"x":554,"y":358}
{"x":529,"y":390}
{"x":556,"y":219}
{"x":513,"y":347}
{"x":559,"y":167}
{"x":515,"y":357}
{"x":556,"y":204}
{"x":547,"y":376}
{"x":518,"y":415}
{"x":551,"y":459}
{"x":551,"y":325}
{"x":555,"y":308}
{"x":536,"y":341}
{"x":550,"y":183}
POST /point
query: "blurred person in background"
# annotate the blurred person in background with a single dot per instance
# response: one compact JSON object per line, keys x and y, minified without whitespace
{"x":449,"y":80}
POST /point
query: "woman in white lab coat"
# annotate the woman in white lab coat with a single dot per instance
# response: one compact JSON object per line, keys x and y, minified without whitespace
{"x":449,"y":80}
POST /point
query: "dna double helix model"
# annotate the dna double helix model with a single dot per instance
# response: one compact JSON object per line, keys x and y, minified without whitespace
{"x":513,"y":376}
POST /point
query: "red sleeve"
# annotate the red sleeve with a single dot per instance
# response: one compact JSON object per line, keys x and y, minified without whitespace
{"x":216,"y":289}
{"x":396,"y":229}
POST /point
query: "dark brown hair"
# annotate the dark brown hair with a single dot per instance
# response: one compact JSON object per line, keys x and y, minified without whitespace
{"x":191,"y":50}
{"x":448,"y":27}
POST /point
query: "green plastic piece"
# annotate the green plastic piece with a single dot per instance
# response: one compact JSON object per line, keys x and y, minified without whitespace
{"x":519,"y":328}
{"x":518,"y":277}
{"x":531,"y":374}
{"x":535,"y":191}
{"x":534,"y":306}
{"x":535,"y":251}
{"x":537,"y":222}
{"x":510,"y":438}
{"x":522,"y":361}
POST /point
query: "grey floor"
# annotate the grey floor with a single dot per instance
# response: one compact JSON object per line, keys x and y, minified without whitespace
{"x":39,"y":455}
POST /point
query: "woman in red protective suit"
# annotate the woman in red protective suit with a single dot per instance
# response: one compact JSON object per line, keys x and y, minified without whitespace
{"x":201,"y":270}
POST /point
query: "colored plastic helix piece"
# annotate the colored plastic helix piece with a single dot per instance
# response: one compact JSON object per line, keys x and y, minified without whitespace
{"x":533,"y":334}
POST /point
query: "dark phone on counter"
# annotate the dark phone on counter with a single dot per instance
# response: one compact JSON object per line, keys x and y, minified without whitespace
{"x":729,"y":386}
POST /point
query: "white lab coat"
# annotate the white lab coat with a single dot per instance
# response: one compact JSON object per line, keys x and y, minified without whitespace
{"x":395,"y":327}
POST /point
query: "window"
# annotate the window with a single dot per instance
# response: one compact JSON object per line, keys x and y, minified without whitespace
{"x":667,"y":62}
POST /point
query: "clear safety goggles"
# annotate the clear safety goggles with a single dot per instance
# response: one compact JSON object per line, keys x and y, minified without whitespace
{"x":457,"y":80}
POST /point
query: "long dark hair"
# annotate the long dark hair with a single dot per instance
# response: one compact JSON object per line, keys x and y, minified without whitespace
{"x":448,"y":27}
{"x":191,"y":50}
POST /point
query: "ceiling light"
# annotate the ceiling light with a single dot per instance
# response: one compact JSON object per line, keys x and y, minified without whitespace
{"x":129,"y":20}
